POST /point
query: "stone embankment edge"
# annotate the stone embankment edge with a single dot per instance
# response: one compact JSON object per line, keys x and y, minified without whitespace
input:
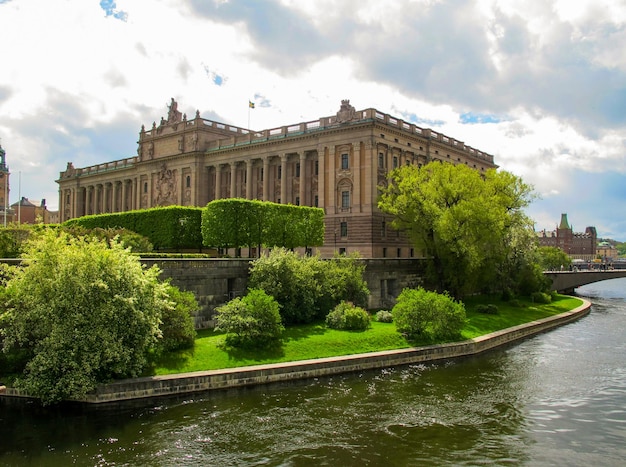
{"x":202,"y":381}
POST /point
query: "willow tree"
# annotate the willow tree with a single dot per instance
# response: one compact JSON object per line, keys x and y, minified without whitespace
{"x":468,"y":223}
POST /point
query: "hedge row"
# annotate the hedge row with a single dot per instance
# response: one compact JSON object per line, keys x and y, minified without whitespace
{"x":170,"y":227}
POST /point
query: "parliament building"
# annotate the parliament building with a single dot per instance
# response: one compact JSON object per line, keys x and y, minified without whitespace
{"x":335,"y":163}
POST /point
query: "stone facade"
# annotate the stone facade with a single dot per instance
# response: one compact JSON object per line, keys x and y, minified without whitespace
{"x":335,"y":163}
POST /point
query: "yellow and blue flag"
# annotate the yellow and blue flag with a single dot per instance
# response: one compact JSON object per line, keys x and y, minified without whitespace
{"x":251,"y":104}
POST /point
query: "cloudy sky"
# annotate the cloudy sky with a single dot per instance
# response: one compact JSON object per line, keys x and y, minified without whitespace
{"x":540,"y":84}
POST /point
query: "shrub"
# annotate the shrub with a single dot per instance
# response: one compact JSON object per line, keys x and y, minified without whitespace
{"x":83,"y":312}
{"x":489,"y":309}
{"x":177,"y":322}
{"x":307,"y":287}
{"x":419,"y":313}
{"x":384,"y":316}
{"x":348,"y":317}
{"x":541,"y":297}
{"x":251,"y":321}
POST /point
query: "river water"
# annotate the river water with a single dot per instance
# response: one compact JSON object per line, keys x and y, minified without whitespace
{"x":555,"y":399}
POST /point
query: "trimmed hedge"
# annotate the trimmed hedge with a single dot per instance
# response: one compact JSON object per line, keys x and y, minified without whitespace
{"x":170,"y":227}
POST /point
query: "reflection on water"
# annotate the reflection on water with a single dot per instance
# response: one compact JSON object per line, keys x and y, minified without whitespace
{"x":556,"y":399}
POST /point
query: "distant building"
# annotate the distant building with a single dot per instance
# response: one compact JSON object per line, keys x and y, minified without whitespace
{"x":27,"y":212}
{"x":581,"y":245}
{"x":607,"y":251}
{"x":23,"y":211}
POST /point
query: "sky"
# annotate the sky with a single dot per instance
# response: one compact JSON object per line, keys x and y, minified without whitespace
{"x":539,"y":84}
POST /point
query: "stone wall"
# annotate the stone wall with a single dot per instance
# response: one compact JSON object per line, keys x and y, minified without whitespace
{"x":215,"y":281}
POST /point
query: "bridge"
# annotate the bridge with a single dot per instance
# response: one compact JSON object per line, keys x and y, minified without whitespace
{"x":567,"y":281}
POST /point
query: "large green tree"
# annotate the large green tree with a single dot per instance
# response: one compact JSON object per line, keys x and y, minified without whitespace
{"x":469,"y":224}
{"x":79,"y":312}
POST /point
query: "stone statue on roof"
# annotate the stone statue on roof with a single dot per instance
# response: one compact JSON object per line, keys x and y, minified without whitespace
{"x":173,"y":115}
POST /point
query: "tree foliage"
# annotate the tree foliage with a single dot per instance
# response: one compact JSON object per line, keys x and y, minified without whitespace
{"x":177,"y":322}
{"x":307,"y":287}
{"x":471,"y":225}
{"x":252,"y":321}
{"x":551,"y":258}
{"x":80,"y":312}
{"x":423,"y":314}
{"x":236,"y":223}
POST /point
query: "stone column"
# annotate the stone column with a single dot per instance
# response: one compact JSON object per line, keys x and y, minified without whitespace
{"x":356,"y":177}
{"x":218,"y":181}
{"x":283,"y":178}
{"x":332,"y":179}
{"x":249,"y":163}
{"x":233,"y":185}
{"x":266,"y":178}
{"x":124,"y":207}
{"x":321,"y":177}
{"x":303,"y":183}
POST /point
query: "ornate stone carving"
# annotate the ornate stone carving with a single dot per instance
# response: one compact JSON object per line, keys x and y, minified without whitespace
{"x":166,"y":187}
{"x":173,"y":115}
{"x":346,"y":111}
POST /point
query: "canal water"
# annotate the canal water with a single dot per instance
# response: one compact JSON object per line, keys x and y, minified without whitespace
{"x":556,"y":399}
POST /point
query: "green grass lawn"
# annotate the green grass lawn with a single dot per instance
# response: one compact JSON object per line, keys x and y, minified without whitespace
{"x":317,"y":341}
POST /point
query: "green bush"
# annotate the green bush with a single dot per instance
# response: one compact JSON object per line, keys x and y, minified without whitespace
{"x":81,"y":312}
{"x":307,"y":287}
{"x":384,"y":316}
{"x":177,"y":322}
{"x":541,"y":297}
{"x":419,"y":313}
{"x":251,"y":321}
{"x":489,"y":309}
{"x":346,"y":316}
{"x":136,"y":242}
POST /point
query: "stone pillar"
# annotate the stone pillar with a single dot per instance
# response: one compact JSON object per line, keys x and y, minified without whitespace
{"x":218,"y":181}
{"x":356,"y":177}
{"x":303,"y":183}
{"x":321,"y":177}
{"x":249,"y":163}
{"x":283,"y":178}
{"x":266,"y":178}
{"x":332,"y":179}
{"x":233,"y":185}
{"x":123,"y":204}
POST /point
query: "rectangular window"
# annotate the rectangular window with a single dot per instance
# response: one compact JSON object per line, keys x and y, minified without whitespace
{"x":383,"y":229}
{"x":342,"y":251}
{"x":297,"y":201}
{"x":399,"y":253}
{"x":317,"y":167}
{"x":384,"y":252}
{"x":345,"y":199}
{"x":381,"y":160}
{"x":344,"y":229}
{"x":280,"y":172}
{"x":395,"y":162}
{"x":297,"y":169}
{"x":317,"y":201}
{"x":344,"y":162}
{"x":262,"y":173}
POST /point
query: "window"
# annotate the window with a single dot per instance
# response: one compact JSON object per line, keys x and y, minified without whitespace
{"x":408,"y":162}
{"x":297,"y":201}
{"x":298,"y":169}
{"x":344,"y":162}
{"x":145,"y":187}
{"x":280,"y":172}
{"x":342,"y":251}
{"x":412,"y":252}
{"x":383,"y":229}
{"x":345,"y":199}
{"x":395,"y":162}
{"x":317,"y":201}
{"x":317,"y":167}
{"x":262,"y":173}
{"x":384,"y":252}
{"x":344,"y":229}
{"x":188,"y":183}
{"x":399,"y":253}
{"x":381,"y":160}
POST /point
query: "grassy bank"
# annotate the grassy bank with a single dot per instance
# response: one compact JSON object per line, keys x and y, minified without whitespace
{"x":317,"y":341}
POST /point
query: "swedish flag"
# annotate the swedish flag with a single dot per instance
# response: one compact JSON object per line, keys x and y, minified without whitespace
{"x":251,"y":104}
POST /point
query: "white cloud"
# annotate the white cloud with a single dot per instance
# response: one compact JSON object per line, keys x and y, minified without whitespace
{"x":539,"y":84}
